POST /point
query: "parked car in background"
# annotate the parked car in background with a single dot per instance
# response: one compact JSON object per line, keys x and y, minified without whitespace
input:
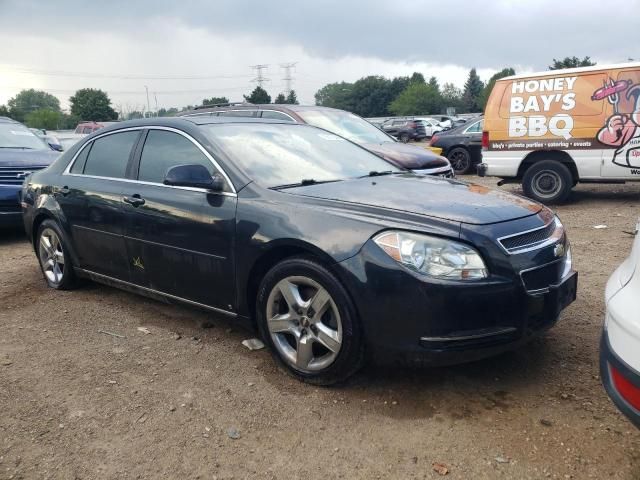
{"x":347,"y":125}
{"x":461,"y":145}
{"x":50,"y":139}
{"x":333,"y":261}
{"x":431,"y":126}
{"x":86,"y":128}
{"x":554,"y":129}
{"x":404,"y":129}
{"x":21,"y":153}
{"x":620,"y":345}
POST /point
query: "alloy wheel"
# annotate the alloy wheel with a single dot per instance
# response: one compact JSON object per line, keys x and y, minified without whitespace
{"x":51,"y":256}
{"x":460,"y":161}
{"x":304,"y":323}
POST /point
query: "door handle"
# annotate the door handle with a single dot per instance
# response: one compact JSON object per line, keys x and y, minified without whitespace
{"x":64,"y":191}
{"x":134,"y":200}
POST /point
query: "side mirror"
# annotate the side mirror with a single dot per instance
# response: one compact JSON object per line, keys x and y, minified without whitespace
{"x":195,"y":176}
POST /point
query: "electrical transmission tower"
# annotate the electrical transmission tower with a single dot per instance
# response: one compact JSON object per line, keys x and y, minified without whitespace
{"x":260,"y":78}
{"x":288,"y":79}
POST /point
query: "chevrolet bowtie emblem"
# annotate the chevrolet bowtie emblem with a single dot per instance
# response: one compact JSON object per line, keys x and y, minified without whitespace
{"x":137,"y":262}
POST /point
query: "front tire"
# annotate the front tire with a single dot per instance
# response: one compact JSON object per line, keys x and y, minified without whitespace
{"x":307,"y":319}
{"x":404,"y":138}
{"x":460,"y":159}
{"x":548,"y":181}
{"x":54,"y":257}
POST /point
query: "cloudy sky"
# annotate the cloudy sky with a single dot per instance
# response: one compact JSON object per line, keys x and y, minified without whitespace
{"x":186,"y":50}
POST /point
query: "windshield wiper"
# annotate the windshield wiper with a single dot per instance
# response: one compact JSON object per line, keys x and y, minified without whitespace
{"x":303,"y":183}
{"x":375,"y":173}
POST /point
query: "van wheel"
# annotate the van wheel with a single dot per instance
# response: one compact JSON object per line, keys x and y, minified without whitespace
{"x":548,"y":181}
{"x":308,"y":321}
{"x":460,"y":159}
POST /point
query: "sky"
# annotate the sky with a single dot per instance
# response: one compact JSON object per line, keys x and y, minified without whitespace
{"x":184,"y":51}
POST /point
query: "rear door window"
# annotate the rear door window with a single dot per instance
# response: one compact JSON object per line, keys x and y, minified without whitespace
{"x":163,"y":150}
{"x":81,"y":160}
{"x":109,"y":155}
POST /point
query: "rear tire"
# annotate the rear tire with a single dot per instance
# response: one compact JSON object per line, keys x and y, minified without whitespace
{"x":53,"y":256}
{"x":308,"y":320}
{"x":548,"y":182}
{"x":460,"y":159}
{"x":404,"y":138}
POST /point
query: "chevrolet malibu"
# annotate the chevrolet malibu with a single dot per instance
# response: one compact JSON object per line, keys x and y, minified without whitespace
{"x":334,"y":254}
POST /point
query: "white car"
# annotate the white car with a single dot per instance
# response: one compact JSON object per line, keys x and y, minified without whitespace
{"x":620,"y":345}
{"x":431,"y":126}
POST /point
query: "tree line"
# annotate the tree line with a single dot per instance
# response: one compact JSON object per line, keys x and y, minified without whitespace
{"x":371,"y":96}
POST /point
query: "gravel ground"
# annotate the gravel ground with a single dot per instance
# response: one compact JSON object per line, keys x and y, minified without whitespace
{"x":80,"y":403}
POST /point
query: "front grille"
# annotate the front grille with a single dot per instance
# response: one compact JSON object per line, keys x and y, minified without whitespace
{"x":543,"y":277}
{"x":16,"y":175}
{"x":528,"y":239}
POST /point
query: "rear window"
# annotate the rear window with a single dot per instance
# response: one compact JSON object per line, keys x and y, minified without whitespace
{"x":109,"y":155}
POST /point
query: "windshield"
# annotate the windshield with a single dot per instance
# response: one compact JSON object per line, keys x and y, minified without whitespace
{"x":275,"y":155}
{"x":14,"y":135}
{"x":346,"y":125}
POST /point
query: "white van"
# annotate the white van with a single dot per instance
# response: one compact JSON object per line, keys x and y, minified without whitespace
{"x":553,"y":129}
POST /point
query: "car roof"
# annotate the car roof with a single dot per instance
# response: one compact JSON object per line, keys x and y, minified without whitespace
{"x":177,"y":122}
{"x":280,"y":107}
{"x":7,"y":120}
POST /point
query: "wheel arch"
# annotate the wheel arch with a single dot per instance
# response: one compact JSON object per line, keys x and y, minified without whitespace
{"x":556,"y":155}
{"x":277,"y":252}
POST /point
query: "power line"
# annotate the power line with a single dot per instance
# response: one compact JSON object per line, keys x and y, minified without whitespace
{"x":260,"y":78}
{"x":60,"y":73}
{"x":288,"y":79}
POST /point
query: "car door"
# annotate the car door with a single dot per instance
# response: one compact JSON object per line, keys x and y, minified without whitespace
{"x":180,"y":241}
{"x":90,"y":198}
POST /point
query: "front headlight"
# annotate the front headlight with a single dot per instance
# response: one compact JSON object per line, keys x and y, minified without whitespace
{"x":433,"y":256}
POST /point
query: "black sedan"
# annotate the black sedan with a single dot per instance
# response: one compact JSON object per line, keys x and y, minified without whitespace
{"x":330,"y":251}
{"x":461,"y":145}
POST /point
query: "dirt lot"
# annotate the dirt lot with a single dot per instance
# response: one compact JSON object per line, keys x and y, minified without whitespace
{"x":78,"y":403}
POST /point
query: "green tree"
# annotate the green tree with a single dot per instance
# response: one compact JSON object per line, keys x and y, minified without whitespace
{"x":452,"y":97}
{"x":416,"y":99}
{"x":92,"y":104}
{"x":417,"y":77}
{"x":280,"y":99}
{"x":167,"y":112}
{"x":4,"y":111}
{"x":44,"y":118}
{"x":571,"y":62}
{"x":505,"y":72}
{"x":336,"y":95}
{"x":472,"y":92}
{"x":259,"y":95}
{"x":134,"y":115}
{"x":214,"y":100}
{"x":292,"y":98}
{"x":29,"y":101}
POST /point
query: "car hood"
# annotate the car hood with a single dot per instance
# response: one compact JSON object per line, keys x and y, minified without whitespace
{"x":407,"y":156}
{"x":10,"y":157}
{"x":424,"y":195}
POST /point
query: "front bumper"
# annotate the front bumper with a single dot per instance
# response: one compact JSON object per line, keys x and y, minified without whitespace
{"x":10,"y":210}
{"x":609,"y":361}
{"x":446,"y":172}
{"x":411,"y":319}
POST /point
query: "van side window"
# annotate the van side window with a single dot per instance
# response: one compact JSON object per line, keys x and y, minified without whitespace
{"x":109,"y":155}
